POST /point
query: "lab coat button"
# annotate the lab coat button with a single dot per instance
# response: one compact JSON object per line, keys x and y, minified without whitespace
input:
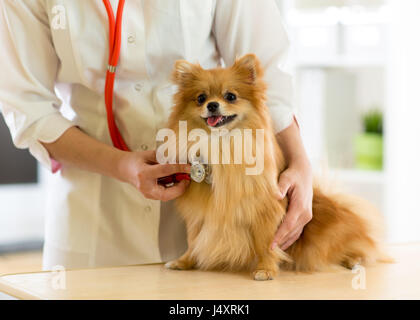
{"x":144,"y":147}
{"x":138,"y":86}
{"x":148,"y":209}
{"x":131,"y":39}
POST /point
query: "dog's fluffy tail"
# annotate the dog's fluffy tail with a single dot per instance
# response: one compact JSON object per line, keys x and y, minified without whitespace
{"x":344,"y":230}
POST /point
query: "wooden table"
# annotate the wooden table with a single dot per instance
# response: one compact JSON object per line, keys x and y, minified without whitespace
{"x":400,"y":280}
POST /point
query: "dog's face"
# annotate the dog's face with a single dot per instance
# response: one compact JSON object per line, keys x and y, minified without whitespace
{"x":218,"y":98}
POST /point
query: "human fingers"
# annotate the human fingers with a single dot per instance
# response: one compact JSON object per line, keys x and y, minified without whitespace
{"x":149,"y":156}
{"x":291,"y":238}
{"x":284,"y":184}
{"x":288,"y":224}
{"x":162,"y":170}
{"x":159,"y":192}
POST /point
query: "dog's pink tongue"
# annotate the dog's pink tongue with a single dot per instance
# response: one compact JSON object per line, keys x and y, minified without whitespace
{"x":212,"y":121}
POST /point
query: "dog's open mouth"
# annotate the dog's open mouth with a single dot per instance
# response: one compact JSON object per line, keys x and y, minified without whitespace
{"x":218,"y":121}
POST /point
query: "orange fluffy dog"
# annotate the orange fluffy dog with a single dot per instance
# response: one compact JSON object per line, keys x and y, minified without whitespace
{"x":232,"y":221}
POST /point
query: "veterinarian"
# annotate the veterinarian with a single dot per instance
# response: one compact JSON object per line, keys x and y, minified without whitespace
{"x":104,"y":204}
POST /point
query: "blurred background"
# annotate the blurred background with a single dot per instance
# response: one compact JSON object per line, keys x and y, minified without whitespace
{"x":356,"y":71}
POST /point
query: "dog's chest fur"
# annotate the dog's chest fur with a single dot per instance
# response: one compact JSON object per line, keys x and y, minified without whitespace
{"x":221,"y":216}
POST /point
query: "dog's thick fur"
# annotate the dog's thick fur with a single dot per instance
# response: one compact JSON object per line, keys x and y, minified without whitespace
{"x":231,"y":223}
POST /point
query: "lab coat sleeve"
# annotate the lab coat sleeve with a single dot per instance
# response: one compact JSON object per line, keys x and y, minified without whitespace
{"x":28,"y":69}
{"x":250,"y":26}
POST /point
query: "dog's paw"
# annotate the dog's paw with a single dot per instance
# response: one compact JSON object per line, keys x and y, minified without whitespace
{"x":173,"y":265}
{"x":262,"y":275}
{"x":350,"y":263}
{"x":176,"y":265}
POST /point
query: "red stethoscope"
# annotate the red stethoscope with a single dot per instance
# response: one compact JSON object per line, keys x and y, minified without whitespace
{"x":198,"y":170}
{"x":114,"y":54}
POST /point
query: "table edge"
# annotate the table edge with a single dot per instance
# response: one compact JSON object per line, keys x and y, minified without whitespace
{"x":7,"y":288}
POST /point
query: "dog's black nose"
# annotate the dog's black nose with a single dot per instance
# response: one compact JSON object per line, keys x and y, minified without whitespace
{"x":212,"y":106}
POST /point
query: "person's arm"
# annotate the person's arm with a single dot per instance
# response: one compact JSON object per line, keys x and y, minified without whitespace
{"x":77,"y":149}
{"x":30,"y":107}
{"x":29,"y":66}
{"x":296,"y":183}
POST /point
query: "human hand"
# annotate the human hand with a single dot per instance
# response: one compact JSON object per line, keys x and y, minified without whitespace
{"x":296,"y":183}
{"x":142,"y":171}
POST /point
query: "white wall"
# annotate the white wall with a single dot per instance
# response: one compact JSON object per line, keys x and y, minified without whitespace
{"x":389,"y":76}
{"x":403,"y":123}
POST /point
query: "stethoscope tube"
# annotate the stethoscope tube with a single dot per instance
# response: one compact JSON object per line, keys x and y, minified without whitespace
{"x":114,"y":54}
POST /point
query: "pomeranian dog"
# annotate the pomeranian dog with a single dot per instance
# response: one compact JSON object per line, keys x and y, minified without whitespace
{"x":231,"y":222}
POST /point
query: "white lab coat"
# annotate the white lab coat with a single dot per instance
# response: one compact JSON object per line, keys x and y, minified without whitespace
{"x":56,"y":51}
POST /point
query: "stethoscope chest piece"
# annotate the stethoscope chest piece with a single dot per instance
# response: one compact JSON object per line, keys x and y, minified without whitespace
{"x":200,"y":172}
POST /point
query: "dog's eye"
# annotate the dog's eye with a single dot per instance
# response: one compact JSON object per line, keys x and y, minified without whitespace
{"x":201,"y":98}
{"x":230,"y":97}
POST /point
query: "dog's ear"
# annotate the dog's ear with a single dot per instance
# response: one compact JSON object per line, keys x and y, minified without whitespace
{"x":248,"y":67}
{"x":183,"y":71}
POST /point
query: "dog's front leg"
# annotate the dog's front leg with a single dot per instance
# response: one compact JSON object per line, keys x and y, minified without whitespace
{"x":267,"y":259}
{"x":267,"y":263}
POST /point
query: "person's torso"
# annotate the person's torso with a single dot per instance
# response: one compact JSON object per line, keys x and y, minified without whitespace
{"x":155,"y":33}
{"x":108,"y":221}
